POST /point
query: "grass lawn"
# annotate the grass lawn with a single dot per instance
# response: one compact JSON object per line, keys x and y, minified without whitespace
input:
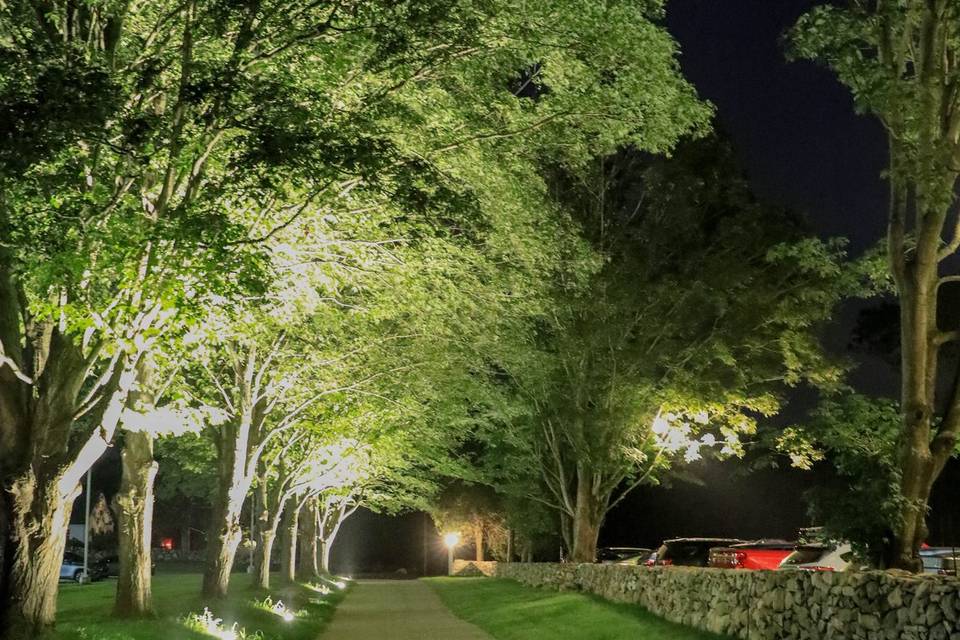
{"x":84,"y":612}
{"x":509,"y":611}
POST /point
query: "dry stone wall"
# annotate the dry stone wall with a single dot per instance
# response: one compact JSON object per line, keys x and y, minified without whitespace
{"x":474,"y":568}
{"x":769,"y":605}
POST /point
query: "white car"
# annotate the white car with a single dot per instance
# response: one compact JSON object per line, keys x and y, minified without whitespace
{"x":820,"y":557}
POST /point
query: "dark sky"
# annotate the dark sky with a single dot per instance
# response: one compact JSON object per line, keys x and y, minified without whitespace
{"x":793,"y":124}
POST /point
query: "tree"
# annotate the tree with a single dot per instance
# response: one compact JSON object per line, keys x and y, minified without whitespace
{"x":703,"y":310}
{"x":151,"y":151}
{"x":857,"y":437}
{"x":899,"y":59}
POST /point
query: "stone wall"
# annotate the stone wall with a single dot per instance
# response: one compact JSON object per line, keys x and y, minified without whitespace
{"x":472,"y":568}
{"x":769,"y":605}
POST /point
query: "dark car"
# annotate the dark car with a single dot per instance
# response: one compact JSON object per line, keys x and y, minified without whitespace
{"x":689,"y":552}
{"x":623,"y":555}
{"x":111,"y":566}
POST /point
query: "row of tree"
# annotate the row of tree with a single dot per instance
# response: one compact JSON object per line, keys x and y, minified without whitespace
{"x":358,"y":246}
{"x":706,"y":303}
{"x":303,"y":230}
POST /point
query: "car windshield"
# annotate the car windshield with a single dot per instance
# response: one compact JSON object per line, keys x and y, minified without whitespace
{"x":805,"y":555}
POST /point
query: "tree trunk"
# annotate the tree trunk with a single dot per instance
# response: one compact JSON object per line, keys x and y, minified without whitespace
{"x":918,"y":366}
{"x":288,"y":552}
{"x":509,"y":545}
{"x":261,"y":576}
{"x":135,"y":525}
{"x":223,"y":538}
{"x":586,"y":520}
{"x":308,"y":554}
{"x":478,"y":542}
{"x":233,"y":483}
{"x":40,"y":518}
{"x":325,"y":547}
{"x":566,"y":532}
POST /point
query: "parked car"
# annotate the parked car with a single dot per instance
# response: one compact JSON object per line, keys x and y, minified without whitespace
{"x":72,"y":568}
{"x":756,"y":555}
{"x":820,"y":556}
{"x":111,"y":565}
{"x":933,"y":558}
{"x":689,"y":552}
{"x":623,"y":555}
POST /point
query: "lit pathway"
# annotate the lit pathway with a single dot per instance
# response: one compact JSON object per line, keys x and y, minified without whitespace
{"x":397,"y":610}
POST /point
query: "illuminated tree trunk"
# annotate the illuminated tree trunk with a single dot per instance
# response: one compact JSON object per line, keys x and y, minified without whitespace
{"x":586,"y":520}
{"x":135,"y":501}
{"x":309,"y":552}
{"x":332,"y":519}
{"x":41,"y":514}
{"x":237,"y":449}
{"x":42,"y":462}
{"x":325,"y":547}
{"x":224,"y":533}
{"x":288,"y":552}
{"x":261,"y":576}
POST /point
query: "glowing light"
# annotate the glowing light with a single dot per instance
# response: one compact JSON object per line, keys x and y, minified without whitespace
{"x":207,"y":623}
{"x":340,"y":584}
{"x":451,"y":539}
{"x":319,"y":588}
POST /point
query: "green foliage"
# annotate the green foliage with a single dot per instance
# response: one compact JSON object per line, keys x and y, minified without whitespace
{"x":181,"y":614}
{"x":704,"y":310}
{"x":187,"y":468}
{"x":857,"y":437}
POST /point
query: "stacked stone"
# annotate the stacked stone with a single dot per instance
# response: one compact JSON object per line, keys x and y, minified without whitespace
{"x":769,"y":605}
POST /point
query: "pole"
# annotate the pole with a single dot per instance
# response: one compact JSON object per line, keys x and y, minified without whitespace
{"x":86,"y":532}
{"x":450,"y":560}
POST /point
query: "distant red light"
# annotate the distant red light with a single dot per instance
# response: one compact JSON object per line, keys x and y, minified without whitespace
{"x":167,"y":544}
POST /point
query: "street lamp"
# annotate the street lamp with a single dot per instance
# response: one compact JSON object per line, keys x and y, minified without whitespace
{"x":451,"y":539}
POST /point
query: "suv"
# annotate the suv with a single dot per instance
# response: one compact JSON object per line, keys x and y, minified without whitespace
{"x":761,"y":554}
{"x":688,"y":552}
{"x":622,"y":555}
{"x":822,"y":556}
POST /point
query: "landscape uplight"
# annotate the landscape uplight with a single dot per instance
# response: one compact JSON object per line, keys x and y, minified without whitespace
{"x":451,"y":539}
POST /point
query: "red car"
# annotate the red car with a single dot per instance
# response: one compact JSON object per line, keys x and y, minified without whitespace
{"x":761,"y":554}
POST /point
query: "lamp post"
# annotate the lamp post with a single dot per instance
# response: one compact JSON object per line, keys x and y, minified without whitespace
{"x":86,"y":531}
{"x":451,"y":540}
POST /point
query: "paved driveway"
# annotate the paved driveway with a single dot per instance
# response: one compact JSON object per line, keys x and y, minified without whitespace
{"x":397,"y":610}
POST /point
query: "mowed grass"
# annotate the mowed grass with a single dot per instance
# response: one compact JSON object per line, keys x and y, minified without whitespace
{"x":509,"y":611}
{"x":84,"y":611}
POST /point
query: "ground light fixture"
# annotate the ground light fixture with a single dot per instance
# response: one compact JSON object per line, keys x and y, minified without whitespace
{"x":451,"y":539}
